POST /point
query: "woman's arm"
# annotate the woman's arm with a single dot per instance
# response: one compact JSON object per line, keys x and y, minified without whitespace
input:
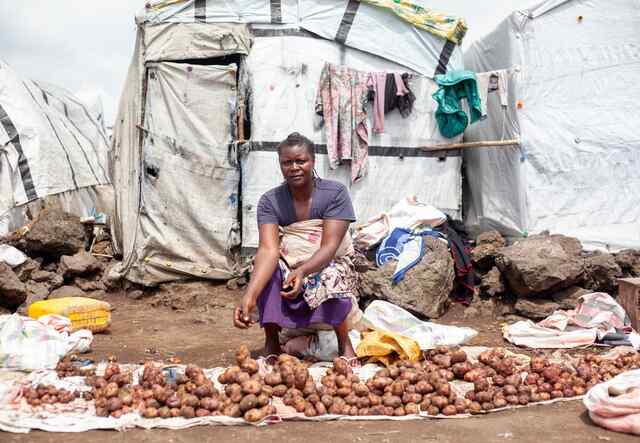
{"x":264,"y":266}
{"x":333,"y":231}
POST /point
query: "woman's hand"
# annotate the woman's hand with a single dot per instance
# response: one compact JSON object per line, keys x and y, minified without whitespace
{"x":293,"y":284}
{"x":242,"y":314}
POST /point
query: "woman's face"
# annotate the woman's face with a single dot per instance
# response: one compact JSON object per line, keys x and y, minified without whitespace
{"x":296,"y":165}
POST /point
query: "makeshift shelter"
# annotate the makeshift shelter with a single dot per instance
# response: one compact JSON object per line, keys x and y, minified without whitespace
{"x":214,"y":86}
{"x":51,"y":149}
{"x":573,"y":70}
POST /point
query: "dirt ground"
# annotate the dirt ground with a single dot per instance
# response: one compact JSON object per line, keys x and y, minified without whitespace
{"x":197,"y":328}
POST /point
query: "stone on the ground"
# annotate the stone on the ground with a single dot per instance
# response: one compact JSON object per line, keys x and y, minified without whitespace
{"x":425,"y":288}
{"x":629,"y":262}
{"x":492,"y":283}
{"x":135,"y":295}
{"x":51,"y":278}
{"x":601,"y":273}
{"x":540,"y":308}
{"x":81,"y":263}
{"x":67,"y":291}
{"x":87,"y":284}
{"x":27,"y":268}
{"x":487,"y":245}
{"x":98,"y":294}
{"x":36,"y":292}
{"x":4,"y":311}
{"x":54,"y":233}
{"x":12,"y":291}
{"x":541,"y":264}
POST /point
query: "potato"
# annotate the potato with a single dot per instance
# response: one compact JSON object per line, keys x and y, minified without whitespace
{"x":351,"y":399}
{"x":433,"y":410}
{"x":192,"y":400}
{"x":394,"y":372}
{"x":152,"y":403}
{"x":579,"y":390}
{"x":458,"y":356}
{"x":343,"y":392}
{"x":439,"y":401}
{"x":442,"y":360}
{"x":410,"y":376}
{"x":444,"y":389}
{"x":335,"y":409}
{"x":249,"y":401}
{"x":150,"y":413}
{"x":327,"y":400}
{"x":321,"y":409}
{"x":341,"y":367}
{"x":360,"y":389}
{"x":111,"y":390}
{"x":279,"y":390}
{"x":475,"y":407}
{"x":342,"y":381}
{"x":250,"y":366}
{"x":102,"y":412}
{"x":397,"y":388}
{"x":411,"y":398}
{"x":471,"y":395}
{"x":461,"y":405}
{"x":411,"y":408}
{"x":377,"y":410}
{"x":229,"y":411}
{"x":255,"y":415}
{"x":557,"y":394}
{"x":523,"y":399}
{"x":310,"y":410}
{"x":383,"y":373}
{"x":512,"y":399}
{"x":450,"y":410}
{"x":392,"y":401}
{"x":510,"y":390}
{"x":251,"y":387}
{"x":299,"y":404}
{"x":484,"y":396}
{"x":399,"y":411}
{"x":514,"y":380}
{"x":273,"y":379}
{"x":500,"y":402}
{"x":242,"y":354}
{"x":113,"y":404}
{"x":353,"y":410}
{"x":487,"y":406}
{"x":460,"y":369}
{"x":363,"y":402}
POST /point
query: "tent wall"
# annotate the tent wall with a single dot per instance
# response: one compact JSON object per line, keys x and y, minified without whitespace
{"x":50,"y":145}
{"x":580,"y":153}
{"x":283,"y":74}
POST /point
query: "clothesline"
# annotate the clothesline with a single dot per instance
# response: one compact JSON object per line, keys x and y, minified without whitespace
{"x":467,"y":145}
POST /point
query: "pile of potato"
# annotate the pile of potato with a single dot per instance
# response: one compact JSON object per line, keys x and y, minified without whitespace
{"x":603,"y":370}
{"x":110,"y":392}
{"x":66,"y":368}
{"x":245,"y":392}
{"x":48,"y":394}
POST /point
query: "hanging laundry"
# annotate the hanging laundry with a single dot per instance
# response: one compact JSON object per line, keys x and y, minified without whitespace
{"x":455,"y":86}
{"x":377,"y":86}
{"x":389,"y":92}
{"x":341,"y":101}
{"x":494,"y":81}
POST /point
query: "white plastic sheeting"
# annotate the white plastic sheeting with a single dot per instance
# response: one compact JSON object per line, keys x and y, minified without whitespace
{"x":283,"y":75}
{"x":575,"y":68}
{"x":357,"y":25}
{"x":49,"y":145}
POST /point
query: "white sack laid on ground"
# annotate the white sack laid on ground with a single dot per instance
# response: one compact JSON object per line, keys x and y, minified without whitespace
{"x":384,"y":316}
{"x":597,"y":313}
{"x":28,"y":345}
{"x":620,"y":413}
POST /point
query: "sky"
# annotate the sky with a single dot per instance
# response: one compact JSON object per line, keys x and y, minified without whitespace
{"x":85,"y":46}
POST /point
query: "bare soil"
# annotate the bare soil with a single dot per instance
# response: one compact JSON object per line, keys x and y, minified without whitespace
{"x":193,"y":323}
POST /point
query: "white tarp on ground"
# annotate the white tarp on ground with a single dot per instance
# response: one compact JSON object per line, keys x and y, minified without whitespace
{"x":575,"y":67}
{"x":283,"y":74}
{"x":50,"y":146}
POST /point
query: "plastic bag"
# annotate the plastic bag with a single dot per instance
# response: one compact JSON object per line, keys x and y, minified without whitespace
{"x":12,"y":256}
{"x":620,"y":413}
{"x":386,"y":347}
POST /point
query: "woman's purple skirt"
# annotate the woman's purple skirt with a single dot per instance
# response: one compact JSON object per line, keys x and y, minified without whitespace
{"x":295,"y":314}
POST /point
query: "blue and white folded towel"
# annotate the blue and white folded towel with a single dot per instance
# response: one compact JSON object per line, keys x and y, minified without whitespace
{"x":406,"y":247}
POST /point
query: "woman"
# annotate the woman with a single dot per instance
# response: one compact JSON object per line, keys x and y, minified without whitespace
{"x":303,"y":274}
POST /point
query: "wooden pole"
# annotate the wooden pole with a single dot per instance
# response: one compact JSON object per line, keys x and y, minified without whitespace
{"x":466,"y":145}
{"x":241,"y":120}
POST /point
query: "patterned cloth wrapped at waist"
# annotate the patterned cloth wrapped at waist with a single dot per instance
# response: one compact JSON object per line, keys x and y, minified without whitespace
{"x":299,"y":241}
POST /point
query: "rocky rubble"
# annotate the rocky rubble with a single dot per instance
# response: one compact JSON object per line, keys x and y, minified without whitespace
{"x":543,"y":273}
{"x":58,"y":265}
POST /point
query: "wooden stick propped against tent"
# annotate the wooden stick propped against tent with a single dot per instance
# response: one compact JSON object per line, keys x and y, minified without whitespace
{"x":466,"y":145}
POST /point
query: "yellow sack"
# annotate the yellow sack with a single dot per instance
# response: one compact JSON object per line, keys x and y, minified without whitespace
{"x":84,"y":313}
{"x":386,"y":347}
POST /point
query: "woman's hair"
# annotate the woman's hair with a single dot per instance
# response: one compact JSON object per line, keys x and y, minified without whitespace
{"x":296,"y":139}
